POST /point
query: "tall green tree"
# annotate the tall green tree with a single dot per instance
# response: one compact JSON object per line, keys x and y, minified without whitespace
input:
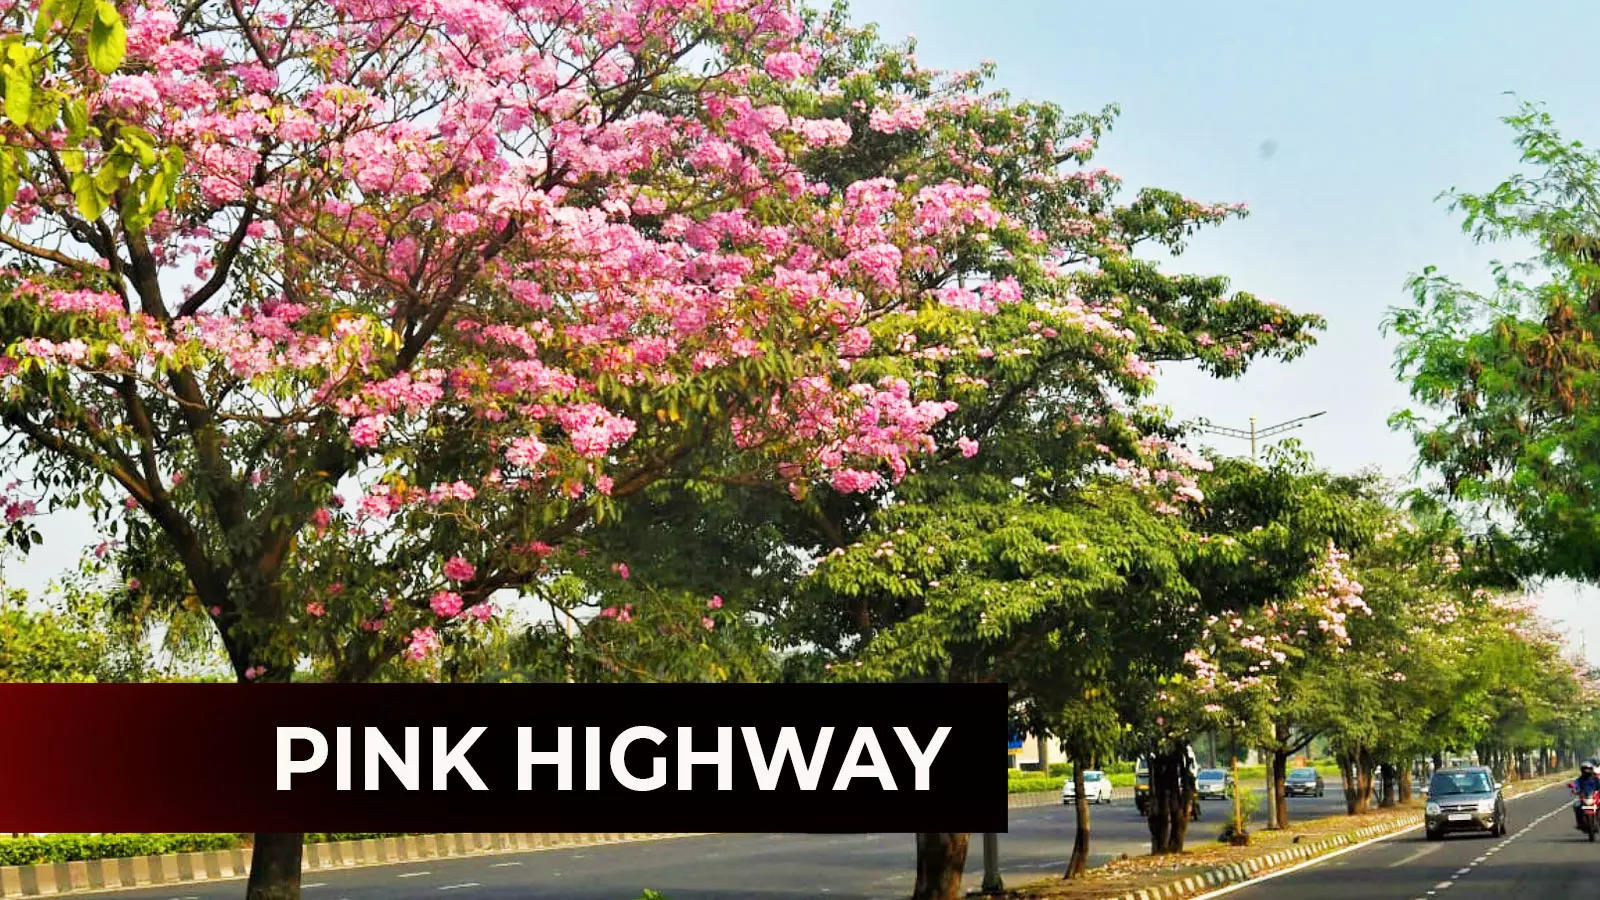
{"x":1507,"y":379}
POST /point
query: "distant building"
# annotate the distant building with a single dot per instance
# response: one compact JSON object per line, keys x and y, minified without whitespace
{"x":1028,"y":752}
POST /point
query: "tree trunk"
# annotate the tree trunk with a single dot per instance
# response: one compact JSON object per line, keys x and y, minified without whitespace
{"x":1279,"y":797}
{"x":1390,"y":783}
{"x":275,"y":867}
{"x":1356,"y":771}
{"x":1405,"y":786}
{"x":1171,"y":797}
{"x":941,"y":858}
{"x":1347,"y":775}
{"x":1078,"y":863}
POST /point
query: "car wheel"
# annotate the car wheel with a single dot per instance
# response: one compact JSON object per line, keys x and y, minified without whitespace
{"x":1430,"y":834}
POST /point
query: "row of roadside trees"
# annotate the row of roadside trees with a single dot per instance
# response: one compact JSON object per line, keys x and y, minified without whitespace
{"x":720,"y":341}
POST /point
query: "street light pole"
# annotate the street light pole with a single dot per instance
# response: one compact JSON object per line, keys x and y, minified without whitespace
{"x":1253,"y":434}
{"x":991,"y":864}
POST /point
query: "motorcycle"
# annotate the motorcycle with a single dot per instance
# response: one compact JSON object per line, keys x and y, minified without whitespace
{"x":1589,"y":817}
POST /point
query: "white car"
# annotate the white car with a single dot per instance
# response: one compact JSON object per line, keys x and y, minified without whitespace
{"x":1213,"y":784}
{"x":1096,"y":786}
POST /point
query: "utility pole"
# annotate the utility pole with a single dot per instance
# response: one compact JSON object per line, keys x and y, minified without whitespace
{"x":991,"y":864}
{"x":1253,"y":434}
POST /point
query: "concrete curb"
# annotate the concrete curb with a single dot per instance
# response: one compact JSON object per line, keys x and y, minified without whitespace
{"x":97,"y":875}
{"x":1237,"y":874}
{"x":1032,"y":798}
{"x":1249,"y":869}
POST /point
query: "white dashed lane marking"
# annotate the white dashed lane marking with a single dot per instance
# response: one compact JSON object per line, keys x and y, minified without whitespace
{"x":412,"y":874}
{"x":1446,"y":884}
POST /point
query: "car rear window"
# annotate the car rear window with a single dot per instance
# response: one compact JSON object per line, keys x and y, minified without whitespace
{"x":1212,"y":774}
{"x":1303,"y":773}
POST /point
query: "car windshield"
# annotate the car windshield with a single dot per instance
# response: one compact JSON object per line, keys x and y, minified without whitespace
{"x":1303,"y":773}
{"x":1091,"y":776}
{"x":1211,"y":774}
{"x":1446,"y":783}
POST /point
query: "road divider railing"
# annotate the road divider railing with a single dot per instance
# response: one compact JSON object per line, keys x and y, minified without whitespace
{"x":88,"y":876}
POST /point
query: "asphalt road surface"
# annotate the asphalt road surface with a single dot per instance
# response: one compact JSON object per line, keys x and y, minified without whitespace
{"x":725,"y":867}
{"x":1543,"y":857}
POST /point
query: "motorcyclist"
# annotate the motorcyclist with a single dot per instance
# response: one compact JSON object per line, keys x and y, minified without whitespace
{"x":1588,"y":783}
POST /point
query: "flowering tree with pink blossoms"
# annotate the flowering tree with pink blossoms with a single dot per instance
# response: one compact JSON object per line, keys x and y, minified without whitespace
{"x":344,"y":316}
{"x":1248,"y":672}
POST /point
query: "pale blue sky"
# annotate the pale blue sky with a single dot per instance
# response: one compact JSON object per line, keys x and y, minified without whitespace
{"x":1372,"y":109}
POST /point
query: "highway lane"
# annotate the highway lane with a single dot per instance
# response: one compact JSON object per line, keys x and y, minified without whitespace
{"x":723,"y":867}
{"x":1544,"y":856}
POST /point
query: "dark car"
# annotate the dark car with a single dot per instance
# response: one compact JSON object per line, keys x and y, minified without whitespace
{"x":1141,"y":785}
{"x":1465,"y":799}
{"x":1303,"y":783}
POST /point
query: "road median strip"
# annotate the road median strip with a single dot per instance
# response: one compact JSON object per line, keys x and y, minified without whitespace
{"x":1209,"y":877}
{"x":103,"y":875}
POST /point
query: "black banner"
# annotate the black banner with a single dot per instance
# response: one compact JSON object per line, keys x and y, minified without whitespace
{"x":524,"y":757}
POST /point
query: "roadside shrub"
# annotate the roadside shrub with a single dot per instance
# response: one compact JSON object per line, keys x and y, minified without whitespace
{"x":53,"y":848}
{"x":1021,"y":783}
{"x":323,"y":837}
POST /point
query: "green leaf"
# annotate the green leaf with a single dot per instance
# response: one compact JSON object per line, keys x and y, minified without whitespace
{"x":75,"y":114}
{"x":45,"y":112}
{"x":108,"y":39}
{"x":19,"y":93}
{"x":10,"y":178}
{"x":140,"y":143}
{"x":90,"y":202}
{"x":110,"y":176}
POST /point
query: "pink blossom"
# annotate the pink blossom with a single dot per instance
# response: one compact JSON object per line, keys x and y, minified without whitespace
{"x":852,"y":481}
{"x":458,"y":569}
{"x":786,"y":66}
{"x":445,"y":604}
{"x":525,"y":451}
{"x":424,"y":641}
{"x":315,"y":609}
{"x":715,"y":602}
{"x":969,"y":447}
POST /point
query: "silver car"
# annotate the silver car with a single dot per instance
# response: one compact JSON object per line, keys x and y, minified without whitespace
{"x":1214,"y":784}
{"x":1464,"y":799}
